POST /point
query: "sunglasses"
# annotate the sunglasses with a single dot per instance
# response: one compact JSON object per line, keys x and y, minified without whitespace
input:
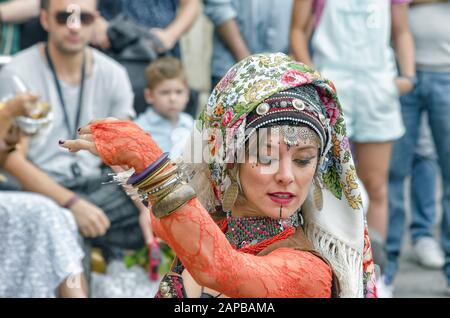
{"x":85,"y":17}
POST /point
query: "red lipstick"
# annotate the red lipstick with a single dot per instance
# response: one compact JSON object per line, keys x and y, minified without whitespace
{"x":281,"y":198}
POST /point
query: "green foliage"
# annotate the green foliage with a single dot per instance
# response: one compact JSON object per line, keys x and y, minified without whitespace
{"x":140,"y":258}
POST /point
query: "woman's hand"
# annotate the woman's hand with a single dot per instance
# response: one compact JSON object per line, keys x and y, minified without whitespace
{"x":118,"y":143}
{"x":86,"y":140}
{"x":20,"y":105}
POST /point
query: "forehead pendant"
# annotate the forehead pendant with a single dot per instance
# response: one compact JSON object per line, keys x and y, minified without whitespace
{"x":293,"y":135}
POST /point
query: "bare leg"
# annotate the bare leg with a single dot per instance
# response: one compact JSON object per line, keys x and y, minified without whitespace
{"x":74,"y":287}
{"x":373,"y":168}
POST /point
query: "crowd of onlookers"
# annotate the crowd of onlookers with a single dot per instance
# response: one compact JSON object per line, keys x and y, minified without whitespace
{"x":89,"y":59}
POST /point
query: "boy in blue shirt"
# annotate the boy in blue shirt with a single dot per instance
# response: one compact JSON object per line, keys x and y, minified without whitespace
{"x":168,"y":94}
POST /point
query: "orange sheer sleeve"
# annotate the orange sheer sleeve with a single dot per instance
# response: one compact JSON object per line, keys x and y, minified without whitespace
{"x":210,"y":259}
{"x":204,"y":249}
{"x":123,"y":143}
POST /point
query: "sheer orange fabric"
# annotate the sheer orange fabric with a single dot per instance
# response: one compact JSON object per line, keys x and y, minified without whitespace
{"x":123,"y":143}
{"x":201,"y":245}
{"x":205,"y":252}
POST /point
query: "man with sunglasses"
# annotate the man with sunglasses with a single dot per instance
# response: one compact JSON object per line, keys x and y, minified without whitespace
{"x":80,"y":83}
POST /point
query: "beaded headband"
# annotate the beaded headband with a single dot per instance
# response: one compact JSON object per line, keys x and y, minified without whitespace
{"x":299,"y":106}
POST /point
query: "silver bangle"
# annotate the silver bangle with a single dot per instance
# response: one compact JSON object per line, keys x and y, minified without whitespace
{"x":162,"y":187}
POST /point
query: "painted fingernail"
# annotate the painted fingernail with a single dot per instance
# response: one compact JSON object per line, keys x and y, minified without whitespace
{"x":61,"y":142}
{"x":79,"y":129}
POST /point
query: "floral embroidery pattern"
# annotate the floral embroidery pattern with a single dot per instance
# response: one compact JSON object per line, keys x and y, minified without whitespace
{"x":294,"y":78}
{"x":332,"y":109}
{"x":227,"y":117}
{"x":219,"y":111}
{"x":350,"y":177}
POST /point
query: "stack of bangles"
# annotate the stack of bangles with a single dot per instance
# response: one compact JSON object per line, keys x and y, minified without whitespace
{"x":161,"y":184}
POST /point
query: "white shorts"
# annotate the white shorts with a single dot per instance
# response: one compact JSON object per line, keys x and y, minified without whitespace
{"x":370,"y":101}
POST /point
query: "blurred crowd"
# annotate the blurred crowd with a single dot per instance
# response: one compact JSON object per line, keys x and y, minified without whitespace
{"x":67,"y":62}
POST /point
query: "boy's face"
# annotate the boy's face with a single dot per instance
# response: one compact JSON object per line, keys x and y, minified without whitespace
{"x":168,"y":98}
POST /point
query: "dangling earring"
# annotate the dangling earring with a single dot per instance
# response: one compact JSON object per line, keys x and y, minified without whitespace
{"x":230,"y":195}
{"x":301,"y":220}
{"x":317,"y":194}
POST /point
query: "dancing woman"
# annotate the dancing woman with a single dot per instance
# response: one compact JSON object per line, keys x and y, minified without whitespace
{"x":274,"y":209}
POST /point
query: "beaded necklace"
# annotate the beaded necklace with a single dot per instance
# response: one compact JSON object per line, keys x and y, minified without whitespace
{"x":252,"y":233}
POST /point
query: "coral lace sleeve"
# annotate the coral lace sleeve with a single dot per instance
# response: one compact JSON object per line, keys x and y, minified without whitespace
{"x":204,"y":249}
{"x":213,"y":263}
{"x":123,"y":143}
